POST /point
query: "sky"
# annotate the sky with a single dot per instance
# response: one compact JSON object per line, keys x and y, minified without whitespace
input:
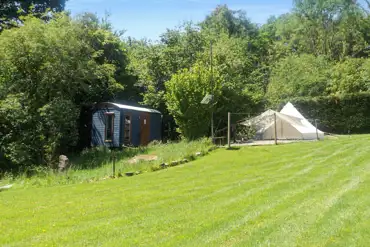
{"x":150,"y":18}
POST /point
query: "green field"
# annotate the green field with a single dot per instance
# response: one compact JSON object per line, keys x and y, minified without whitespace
{"x":304,"y":194}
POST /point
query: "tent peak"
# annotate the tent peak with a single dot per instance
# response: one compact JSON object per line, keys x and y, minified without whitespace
{"x":290,"y":110}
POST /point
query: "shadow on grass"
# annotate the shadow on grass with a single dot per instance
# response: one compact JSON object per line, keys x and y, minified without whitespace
{"x":233,"y":148}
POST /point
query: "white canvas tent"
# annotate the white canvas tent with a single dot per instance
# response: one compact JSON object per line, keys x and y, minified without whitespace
{"x":290,"y":125}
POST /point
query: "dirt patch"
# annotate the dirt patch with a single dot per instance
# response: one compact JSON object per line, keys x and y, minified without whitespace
{"x":146,"y":157}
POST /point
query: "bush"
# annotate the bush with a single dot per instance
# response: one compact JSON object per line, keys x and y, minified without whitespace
{"x":337,"y":114}
{"x":185,"y":91}
{"x":248,"y":132}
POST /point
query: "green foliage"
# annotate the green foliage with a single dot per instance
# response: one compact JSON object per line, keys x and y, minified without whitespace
{"x":299,"y":54}
{"x":298,"y":76}
{"x":350,"y":76}
{"x":17,"y":129}
{"x":154,"y":64}
{"x":332,"y":28}
{"x":59,"y":127}
{"x":246,"y":132}
{"x":243,"y":79}
{"x":226,"y":21}
{"x":148,"y":63}
{"x":338,"y":114}
{"x":12,"y":11}
{"x":185,"y":92}
{"x":48,"y":71}
{"x":237,"y":51}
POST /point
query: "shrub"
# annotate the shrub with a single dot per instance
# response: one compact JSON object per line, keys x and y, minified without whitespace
{"x":185,"y":91}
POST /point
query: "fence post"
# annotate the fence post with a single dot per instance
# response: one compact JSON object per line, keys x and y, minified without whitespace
{"x":228,"y":129}
{"x":317,"y":133}
{"x":275,"y":129}
{"x":114,"y":165}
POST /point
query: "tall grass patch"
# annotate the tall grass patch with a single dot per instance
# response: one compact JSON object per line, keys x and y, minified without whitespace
{"x":96,"y":164}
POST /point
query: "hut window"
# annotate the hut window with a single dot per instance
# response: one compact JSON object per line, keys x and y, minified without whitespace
{"x":109,"y":126}
{"x":127,"y":128}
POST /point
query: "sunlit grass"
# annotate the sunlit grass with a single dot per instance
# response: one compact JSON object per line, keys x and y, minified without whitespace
{"x":303,"y":194}
{"x":96,"y":164}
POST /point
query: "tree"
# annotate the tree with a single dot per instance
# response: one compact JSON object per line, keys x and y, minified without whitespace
{"x":184,"y":94}
{"x":48,"y":71}
{"x":230,"y":22}
{"x":238,"y":57}
{"x":112,"y":50}
{"x":298,"y":76}
{"x":237,"y":61}
{"x":147,"y":62}
{"x":329,"y":27}
{"x":240,"y":85}
{"x":12,"y":11}
{"x":350,"y":76}
{"x":154,"y":64}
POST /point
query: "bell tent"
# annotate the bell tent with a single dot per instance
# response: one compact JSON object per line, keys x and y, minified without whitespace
{"x":290,"y":125}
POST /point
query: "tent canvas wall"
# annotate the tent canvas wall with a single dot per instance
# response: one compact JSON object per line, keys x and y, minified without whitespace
{"x":309,"y":130}
{"x":290,"y":125}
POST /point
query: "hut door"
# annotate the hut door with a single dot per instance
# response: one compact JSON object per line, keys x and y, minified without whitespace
{"x":144,"y":129}
{"x":127,"y":129}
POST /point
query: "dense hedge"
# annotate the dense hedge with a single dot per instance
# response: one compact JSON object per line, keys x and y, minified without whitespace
{"x":337,"y":114}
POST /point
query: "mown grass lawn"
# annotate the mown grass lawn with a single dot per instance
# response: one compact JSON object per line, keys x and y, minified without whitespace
{"x":305,"y":194}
